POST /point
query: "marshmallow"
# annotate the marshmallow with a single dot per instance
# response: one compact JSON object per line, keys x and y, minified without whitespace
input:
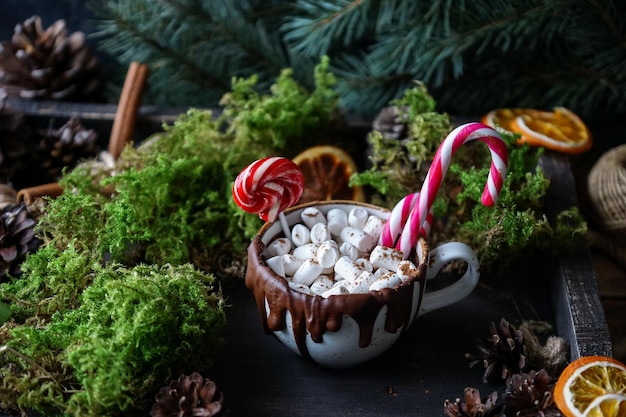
{"x":357,"y":217}
{"x":362,"y":283}
{"x":291,"y":263}
{"x":390,"y":280}
{"x":337,"y":221}
{"x":306,"y":251}
{"x":328,"y":253}
{"x":348,"y":250}
{"x":308,"y":272}
{"x":322,"y":284}
{"x":300,"y":235}
{"x":312,"y":216}
{"x":299,"y":287}
{"x":406,"y":270}
{"x":384,"y":257}
{"x":346,"y":268}
{"x":358,"y":238}
{"x":380,"y":272}
{"x":364,"y":264}
{"x":374,"y":227}
{"x":336,"y":290}
{"x":277,"y":265}
{"x":320,"y":233}
{"x":279,"y":246}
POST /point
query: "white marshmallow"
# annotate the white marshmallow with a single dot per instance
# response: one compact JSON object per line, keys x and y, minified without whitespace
{"x":337,"y":290}
{"x":320,"y":233}
{"x":364,"y":264}
{"x":337,"y":220}
{"x":357,"y":217}
{"x":306,"y":251}
{"x":277,"y":265}
{"x":300,"y":235}
{"x":362,"y":283}
{"x":328,"y":253}
{"x":380,"y":272}
{"x":390,"y":280}
{"x":322,"y":284}
{"x":340,"y":281}
{"x":406,"y":270}
{"x":312,"y":216}
{"x":346,"y":268}
{"x":291,"y":264}
{"x":308,"y":272}
{"x":300,"y":287}
{"x":374,"y":227}
{"x":384,"y":257}
{"x":348,"y":250}
{"x":279,"y":246}
{"x":358,"y":238}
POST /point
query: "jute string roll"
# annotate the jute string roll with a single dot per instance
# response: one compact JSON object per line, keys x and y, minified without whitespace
{"x":607,"y":193}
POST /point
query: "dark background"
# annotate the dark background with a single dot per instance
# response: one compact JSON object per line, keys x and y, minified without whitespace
{"x":76,"y":14}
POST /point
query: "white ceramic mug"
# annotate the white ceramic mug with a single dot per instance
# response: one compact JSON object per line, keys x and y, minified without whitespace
{"x":348,"y":329}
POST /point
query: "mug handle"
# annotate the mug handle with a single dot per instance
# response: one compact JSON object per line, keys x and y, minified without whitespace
{"x":438,"y":258}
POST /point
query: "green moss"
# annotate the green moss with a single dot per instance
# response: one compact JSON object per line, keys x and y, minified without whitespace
{"x":133,"y":328}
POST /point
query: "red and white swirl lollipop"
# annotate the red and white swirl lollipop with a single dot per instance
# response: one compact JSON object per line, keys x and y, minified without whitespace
{"x":441,"y":162}
{"x":268,"y":186}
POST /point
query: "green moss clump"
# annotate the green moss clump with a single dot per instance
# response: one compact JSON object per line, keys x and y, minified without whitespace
{"x":132,"y":328}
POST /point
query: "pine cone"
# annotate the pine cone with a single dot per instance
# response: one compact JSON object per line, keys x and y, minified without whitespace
{"x":502,"y":354}
{"x":189,"y":396}
{"x":473,"y":405}
{"x":48,"y":64}
{"x":531,"y":395}
{"x":391,"y":122}
{"x":66,"y":147}
{"x":17,"y":238}
{"x":15,"y":138}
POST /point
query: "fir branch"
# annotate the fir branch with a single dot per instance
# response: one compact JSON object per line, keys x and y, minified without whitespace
{"x":316,"y":28}
{"x":473,"y":56}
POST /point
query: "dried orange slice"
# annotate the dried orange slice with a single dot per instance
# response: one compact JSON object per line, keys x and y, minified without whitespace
{"x":504,"y":117}
{"x":560,"y":130}
{"x":592,"y":386}
{"x":327,"y":170}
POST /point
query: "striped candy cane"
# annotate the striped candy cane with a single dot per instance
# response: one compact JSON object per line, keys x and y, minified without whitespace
{"x":397,"y":219}
{"x":441,"y":162}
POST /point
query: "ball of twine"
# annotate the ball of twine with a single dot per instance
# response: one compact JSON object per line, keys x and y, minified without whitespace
{"x":607,"y":190}
{"x":607,"y":193}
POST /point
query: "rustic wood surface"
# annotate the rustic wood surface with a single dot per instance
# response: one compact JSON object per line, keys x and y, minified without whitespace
{"x":576,"y":301}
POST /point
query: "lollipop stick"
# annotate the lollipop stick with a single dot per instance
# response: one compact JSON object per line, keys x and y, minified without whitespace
{"x":283,"y":223}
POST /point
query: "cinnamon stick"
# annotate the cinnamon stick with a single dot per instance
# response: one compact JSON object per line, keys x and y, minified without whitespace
{"x":29,"y":194}
{"x":128,"y":108}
